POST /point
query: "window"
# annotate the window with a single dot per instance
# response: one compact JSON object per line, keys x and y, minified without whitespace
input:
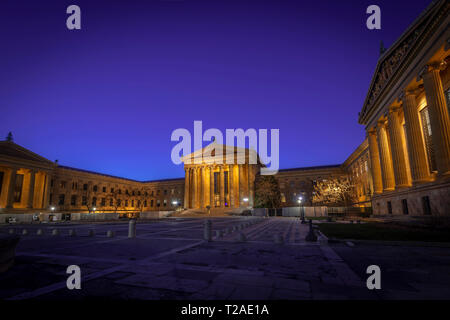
{"x":165,"y":192}
{"x":95,"y":188}
{"x":132,"y":203}
{"x":165,"y":202}
{"x":120,"y":191}
{"x":74,"y":186}
{"x":126,"y":203}
{"x":85,"y":186}
{"x":94,"y":201}
{"x":112,"y":190}
{"x":139,"y":203}
{"x":145,"y":203}
{"x":426,"y":205}
{"x":104,"y":189}
{"x":158,"y":192}
{"x":61,"y":199}
{"x":111,"y":202}
{"x":103,"y":203}
{"x":62,"y":184}
{"x":84,"y":201}
{"x":158,"y":203}
{"x":151,"y":203}
{"x":73,"y":200}
{"x":389,"y":205}
{"x":427,"y":135}
{"x":119,"y":202}
{"x":18,"y":188}
{"x":405,"y":206}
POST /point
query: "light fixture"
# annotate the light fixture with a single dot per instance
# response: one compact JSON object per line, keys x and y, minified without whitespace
{"x":52,"y":208}
{"x":94,"y":208}
{"x":174,"y":203}
{"x":245,"y":199}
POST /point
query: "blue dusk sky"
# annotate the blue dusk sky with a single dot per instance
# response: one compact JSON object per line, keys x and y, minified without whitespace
{"x":107,"y":97}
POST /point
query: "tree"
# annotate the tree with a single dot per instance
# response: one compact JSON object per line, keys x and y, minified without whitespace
{"x":88,"y":194}
{"x":333,"y":192}
{"x":267,"y":192}
{"x":116,"y":200}
{"x":141,"y":198}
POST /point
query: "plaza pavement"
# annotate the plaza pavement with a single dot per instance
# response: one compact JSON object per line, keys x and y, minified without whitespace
{"x":170,"y":260}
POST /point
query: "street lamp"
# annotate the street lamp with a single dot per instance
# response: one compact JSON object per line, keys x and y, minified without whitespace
{"x":302,"y":212}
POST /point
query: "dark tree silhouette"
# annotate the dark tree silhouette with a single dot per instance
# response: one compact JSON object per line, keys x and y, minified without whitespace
{"x":267,"y":192}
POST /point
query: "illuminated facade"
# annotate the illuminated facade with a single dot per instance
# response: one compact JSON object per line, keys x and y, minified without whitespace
{"x":406,"y":114}
{"x":401,"y":168}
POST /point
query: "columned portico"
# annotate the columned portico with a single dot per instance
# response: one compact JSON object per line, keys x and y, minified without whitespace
{"x":408,"y":102}
{"x":219,"y":185}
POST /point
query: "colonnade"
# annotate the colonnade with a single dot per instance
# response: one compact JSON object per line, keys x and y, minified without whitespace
{"x":219,"y":186}
{"x":32,"y":192}
{"x":399,"y":157}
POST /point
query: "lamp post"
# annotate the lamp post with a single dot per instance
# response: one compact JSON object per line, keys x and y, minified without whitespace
{"x":302,"y":212}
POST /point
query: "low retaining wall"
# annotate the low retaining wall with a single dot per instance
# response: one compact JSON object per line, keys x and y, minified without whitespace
{"x":154,"y":214}
{"x":57,"y":216}
{"x":309,"y":211}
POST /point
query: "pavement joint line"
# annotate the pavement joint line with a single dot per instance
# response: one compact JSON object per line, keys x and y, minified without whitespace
{"x":95,"y":275}
{"x":344,"y":272}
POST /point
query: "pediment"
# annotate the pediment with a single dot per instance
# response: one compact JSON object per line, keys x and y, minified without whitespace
{"x":396,"y":59}
{"x":10,"y":150}
{"x":207,"y":155}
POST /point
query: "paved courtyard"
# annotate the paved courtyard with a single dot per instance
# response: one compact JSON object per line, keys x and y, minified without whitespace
{"x":170,"y":260}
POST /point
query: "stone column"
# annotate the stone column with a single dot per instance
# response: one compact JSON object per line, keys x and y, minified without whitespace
{"x":241,"y":184}
{"x":222,"y":187}
{"x":231,"y":185}
{"x":201,"y":187}
{"x":398,"y":151}
{"x":250,"y":184}
{"x":31,"y":189}
{"x":387,"y":171}
{"x":375,"y":161}
{"x":211,"y":187}
{"x":206,"y":185}
{"x":47,"y":186}
{"x":439,"y":118}
{"x":194,"y":187}
{"x":416,"y":147}
{"x":186,"y":187}
{"x":11,"y":187}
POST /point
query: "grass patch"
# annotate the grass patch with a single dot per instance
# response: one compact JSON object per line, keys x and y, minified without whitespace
{"x":383,"y":231}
